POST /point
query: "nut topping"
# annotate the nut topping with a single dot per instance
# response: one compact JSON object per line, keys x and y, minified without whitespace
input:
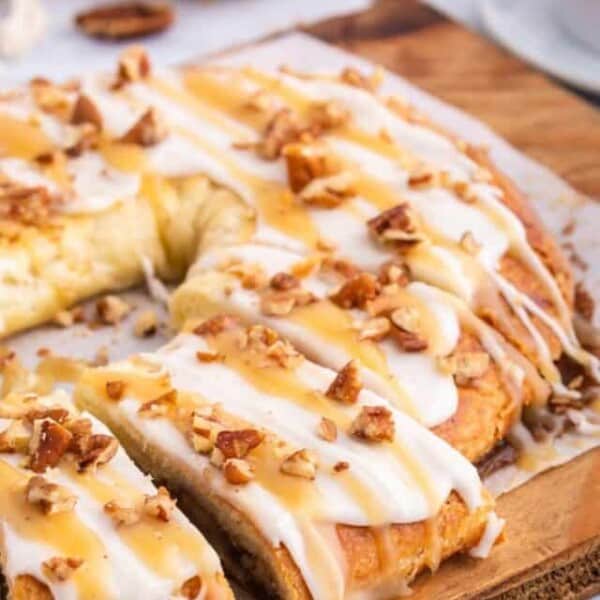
{"x":237,"y":444}
{"x":60,"y":569}
{"x":207,"y":356}
{"x":48,"y":444}
{"x":100,"y":449}
{"x":125,"y":20}
{"x":346,"y":386}
{"x":86,"y":111}
{"x":374,"y":424}
{"x":134,"y":65}
{"x":146,"y":324}
{"x":238,"y":471}
{"x":394,"y":272}
{"x":122,"y":514}
{"x":284,"y":281}
{"x":405,"y":329}
{"x":355,"y":78}
{"x":422,"y":177}
{"x":148,"y":130}
{"x":396,"y":225}
{"x":302,"y":463}
{"x":324,"y":116}
{"x":160,"y":406}
{"x":160,"y":506}
{"x":357,"y":291}
{"x":115,"y":389}
{"x":307,"y":162}
{"x":204,"y":432}
{"x":327,"y":430}
{"x":216,"y":325}
{"x":15,"y":438}
{"x":329,"y":192}
{"x":465,"y":366}
{"x":341,"y":466}
{"x":111,"y":309}
{"x":191,"y":588}
{"x":50,"y":497}
{"x":282,"y":129}
{"x":374,"y":329}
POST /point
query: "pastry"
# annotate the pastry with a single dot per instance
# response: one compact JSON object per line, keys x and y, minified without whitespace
{"x":79,"y":520}
{"x":305,"y":482}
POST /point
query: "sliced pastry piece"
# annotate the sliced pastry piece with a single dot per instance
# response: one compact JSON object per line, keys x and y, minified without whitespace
{"x":414,"y":344}
{"x":306,"y":483}
{"x":78,"y":520}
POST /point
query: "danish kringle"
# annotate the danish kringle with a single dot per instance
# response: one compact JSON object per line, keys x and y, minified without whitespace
{"x":79,"y":520}
{"x":382,"y":247}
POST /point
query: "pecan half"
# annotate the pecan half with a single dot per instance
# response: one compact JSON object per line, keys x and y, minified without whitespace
{"x":346,"y":386}
{"x":126,"y":20}
{"x":48,"y":444}
{"x":374,"y":424}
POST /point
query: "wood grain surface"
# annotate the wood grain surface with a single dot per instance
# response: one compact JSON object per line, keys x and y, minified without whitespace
{"x":552,"y":547}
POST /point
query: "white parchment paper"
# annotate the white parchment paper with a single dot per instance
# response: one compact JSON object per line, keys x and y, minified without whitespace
{"x":557,"y":202}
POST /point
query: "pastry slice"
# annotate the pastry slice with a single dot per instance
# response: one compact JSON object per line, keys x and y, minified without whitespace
{"x":78,"y":520}
{"x":306,"y":483}
{"x":419,"y":347}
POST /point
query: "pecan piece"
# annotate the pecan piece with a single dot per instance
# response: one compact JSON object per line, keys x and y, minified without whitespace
{"x":15,"y":438}
{"x":160,"y":506}
{"x":115,"y":389}
{"x":111,"y":309}
{"x":352,"y":76}
{"x":126,"y":20}
{"x":50,"y":497}
{"x":374,"y":329}
{"x":324,"y":116}
{"x":357,"y":291}
{"x":160,"y":406}
{"x":327,"y":430}
{"x":238,"y":443}
{"x":465,"y":366}
{"x":302,"y":463}
{"x":394,"y":272}
{"x":48,"y":444}
{"x":346,"y":386}
{"x":329,"y":191}
{"x":405,"y":329}
{"x":134,"y":65}
{"x":374,"y":424}
{"x":284,"y":281}
{"x":100,"y":449}
{"x":237,"y":471}
{"x":146,"y":324}
{"x":191,"y":588}
{"x":396,"y":225}
{"x":122,"y":514}
{"x":307,"y":162}
{"x":148,"y":130}
{"x":86,"y":111}
{"x":282,"y":129}
{"x":60,"y":569}
{"x":216,"y":325}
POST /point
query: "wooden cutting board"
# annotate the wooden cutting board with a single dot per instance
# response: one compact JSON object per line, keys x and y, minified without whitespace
{"x":552,"y":550}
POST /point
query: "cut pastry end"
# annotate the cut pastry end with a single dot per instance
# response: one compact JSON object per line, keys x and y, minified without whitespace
{"x":75,"y":511}
{"x":186,"y":420}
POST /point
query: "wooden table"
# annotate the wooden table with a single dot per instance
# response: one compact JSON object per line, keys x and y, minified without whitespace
{"x":553,"y":534}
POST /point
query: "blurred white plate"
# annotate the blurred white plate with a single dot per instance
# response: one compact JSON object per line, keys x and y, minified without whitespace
{"x":533,"y":31}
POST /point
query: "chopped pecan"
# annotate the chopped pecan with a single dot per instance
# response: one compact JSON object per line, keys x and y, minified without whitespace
{"x":251,"y":275}
{"x":49,"y":97}
{"x":86,"y":111}
{"x":374,"y":329}
{"x":327,"y":430}
{"x":148,"y":130}
{"x":48,"y":444}
{"x":216,"y":325}
{"x":341,"y":267}
{"x":422,"y":177}
{"x":373,"y":423}
{"x":307,"y":162}
{"x":134,"y":65}
{"x":160,"y":506}
{"x":330,"y":191}
{"x":584,"y":303}
{"x":81,"y":431}
{"x":238,"y":443}
{"x":111,"y":309}
{"x":82,"y":138}
{"x":302,"y":463}
{"x":204,"y":432}
{"x":340,"y":466}
{"x":160,"y":406}
{"x":100,"y":449}
{"x":355,"y":78}
{"x":396,"y":225}
{"x":50,"y":497}
{"x":146,"y":324}
{"x":125,"y":20}
{"x":207,"y":356}
{"x":394,"y":272}
{"x":122,"y":514}
{"x":405,"y":329}
{"x":346,"y":386}
{"x":357,"y":291}
{"x":283,"y":128}
{"x":284,"y":281}
{"x":324,"y":116}
{"x":15,"y":438}
{"x":56,"y":413}
{"x":465,"y":366}
{"x":60,"y":569}
{"x":115,"y":389}
{"x":28,"y":205}
{"x":191,"y":588}
{"x":237,"y":471}
{"x":280,"y":303}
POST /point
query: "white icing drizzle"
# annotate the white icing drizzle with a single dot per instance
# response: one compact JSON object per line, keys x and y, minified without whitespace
{"x":493,"y":530}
